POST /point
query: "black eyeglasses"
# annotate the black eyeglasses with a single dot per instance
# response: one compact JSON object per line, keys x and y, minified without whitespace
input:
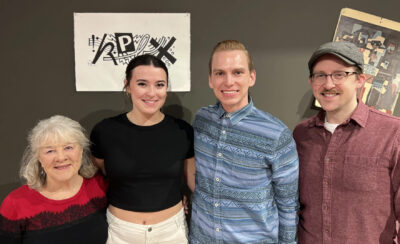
{"x":338,"y":77}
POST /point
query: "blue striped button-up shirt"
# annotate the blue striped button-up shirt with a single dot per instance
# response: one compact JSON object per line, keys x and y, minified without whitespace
{"x":246,"y":178}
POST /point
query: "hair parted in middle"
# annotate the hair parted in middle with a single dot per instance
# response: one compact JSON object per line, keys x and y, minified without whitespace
{"x":230,"y":45}
{"x":146,"y":59}
{"x":55,"y":130}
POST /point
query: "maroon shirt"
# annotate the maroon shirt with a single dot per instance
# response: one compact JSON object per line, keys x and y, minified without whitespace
{"x":349,"y":180}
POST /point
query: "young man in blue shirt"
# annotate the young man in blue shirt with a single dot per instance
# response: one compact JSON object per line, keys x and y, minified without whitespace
{"x":246,"y":161}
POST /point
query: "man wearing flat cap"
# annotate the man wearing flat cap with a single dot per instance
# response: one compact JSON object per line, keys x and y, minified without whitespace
{"x":349,"y":157}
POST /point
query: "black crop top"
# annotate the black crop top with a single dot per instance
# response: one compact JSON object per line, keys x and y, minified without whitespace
{"x":144,"y":164}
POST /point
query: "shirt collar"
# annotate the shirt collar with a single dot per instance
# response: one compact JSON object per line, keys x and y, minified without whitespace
{"x":359,"y":116}
{"x":237,"y":116}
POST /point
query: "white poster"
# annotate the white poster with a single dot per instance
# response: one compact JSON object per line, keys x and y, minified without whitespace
{"x":106,"y":42}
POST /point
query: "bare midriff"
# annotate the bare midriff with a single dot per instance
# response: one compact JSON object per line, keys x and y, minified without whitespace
{"x":145,"y":218}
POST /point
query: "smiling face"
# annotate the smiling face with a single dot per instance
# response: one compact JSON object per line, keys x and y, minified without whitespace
{"x":148,"y":90}
{"x":61,"y":162}
{"x":230,"y":79}
{"x":339,"y":100}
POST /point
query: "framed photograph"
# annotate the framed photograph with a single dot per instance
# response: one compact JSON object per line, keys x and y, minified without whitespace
{"x":379,"y":41}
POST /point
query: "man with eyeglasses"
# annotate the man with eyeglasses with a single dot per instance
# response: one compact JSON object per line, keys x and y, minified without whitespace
{"x":349,"y":157}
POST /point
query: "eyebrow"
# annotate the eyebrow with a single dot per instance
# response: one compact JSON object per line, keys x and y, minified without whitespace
{"x":143,"y":80}
{"x":47,"y":147}
{"x":234,"y":69}
{"x":65,"y":144}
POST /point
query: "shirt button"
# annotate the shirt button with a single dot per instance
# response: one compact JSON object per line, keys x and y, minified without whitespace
{"x":326,"y":231}
{"x":149,"y":229}
{"x":219,"y":154}
{"x":223,"y":131}
{"x":328,"y":160}
{"x":325,"y":182}
{"x":325,"y":207}
{"x":217,"y":179}
{"x":217,"y":229}
{"x":216,"y":205}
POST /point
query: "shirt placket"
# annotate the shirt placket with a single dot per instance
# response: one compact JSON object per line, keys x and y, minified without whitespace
{"x":218,"y":177}
{"x":326,"y":207}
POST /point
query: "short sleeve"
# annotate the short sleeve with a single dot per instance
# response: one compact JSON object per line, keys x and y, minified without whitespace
{"x":95,"y":142}
{"x":190,"y":134}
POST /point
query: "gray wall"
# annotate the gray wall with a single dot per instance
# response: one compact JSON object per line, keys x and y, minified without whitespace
{"x":37,"y":59}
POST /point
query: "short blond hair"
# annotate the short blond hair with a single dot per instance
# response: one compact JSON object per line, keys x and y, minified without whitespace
{"x":230,"y":45}
{"x":56,"y":129}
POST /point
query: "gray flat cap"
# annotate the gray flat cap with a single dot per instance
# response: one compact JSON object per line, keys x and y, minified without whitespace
{"x":346,"y":51}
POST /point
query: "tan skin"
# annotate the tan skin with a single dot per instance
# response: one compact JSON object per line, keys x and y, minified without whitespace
{"x":148,"y":88}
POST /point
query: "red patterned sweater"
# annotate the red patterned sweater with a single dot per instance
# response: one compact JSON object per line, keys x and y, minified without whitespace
{"x":28,"y":217}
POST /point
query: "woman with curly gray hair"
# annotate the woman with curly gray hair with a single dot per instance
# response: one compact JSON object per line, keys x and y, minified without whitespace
{"x":63,"y":201}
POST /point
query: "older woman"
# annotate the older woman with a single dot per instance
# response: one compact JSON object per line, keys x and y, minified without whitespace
{"x":144,"y":154}
{"x":62,"y":201}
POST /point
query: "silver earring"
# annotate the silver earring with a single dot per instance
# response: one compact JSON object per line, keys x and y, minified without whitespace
{"x":42,"y":172}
